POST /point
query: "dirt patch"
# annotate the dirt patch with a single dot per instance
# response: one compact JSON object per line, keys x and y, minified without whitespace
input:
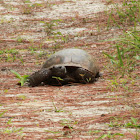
{"x":30,"y":32}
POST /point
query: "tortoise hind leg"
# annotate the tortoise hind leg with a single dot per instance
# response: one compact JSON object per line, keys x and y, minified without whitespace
{"x":84,"y":76}
{"x":40,"y":76}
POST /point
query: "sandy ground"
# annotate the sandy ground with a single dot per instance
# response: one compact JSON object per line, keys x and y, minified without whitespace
{"x":33,"y":30}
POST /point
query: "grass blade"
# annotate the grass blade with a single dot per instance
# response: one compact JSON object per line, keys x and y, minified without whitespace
{"x":17,"y":74}
{"x":119,"y":56}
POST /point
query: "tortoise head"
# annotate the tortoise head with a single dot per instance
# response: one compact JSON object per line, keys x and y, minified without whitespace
{"x":58,"y":71}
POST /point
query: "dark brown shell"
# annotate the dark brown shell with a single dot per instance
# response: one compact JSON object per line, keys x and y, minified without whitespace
{"x":73,"y":57}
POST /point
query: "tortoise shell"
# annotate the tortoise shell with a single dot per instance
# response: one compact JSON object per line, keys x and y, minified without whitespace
{"x":74,"y":58}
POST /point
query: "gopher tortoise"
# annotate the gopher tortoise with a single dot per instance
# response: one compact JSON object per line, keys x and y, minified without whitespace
{"x":65,"y":67}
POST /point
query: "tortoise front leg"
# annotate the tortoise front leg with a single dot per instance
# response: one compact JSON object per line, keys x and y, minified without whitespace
{"x":40,"y":76}
{"x":84,"y":76}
